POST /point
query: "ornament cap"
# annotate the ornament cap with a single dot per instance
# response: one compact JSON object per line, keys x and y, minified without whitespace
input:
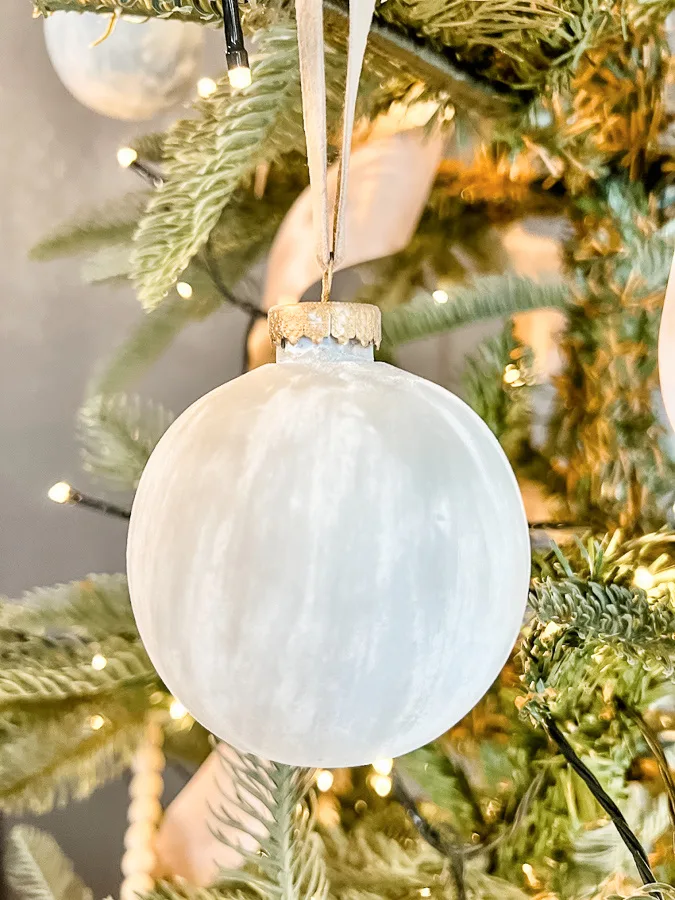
{"x":344,"y":322}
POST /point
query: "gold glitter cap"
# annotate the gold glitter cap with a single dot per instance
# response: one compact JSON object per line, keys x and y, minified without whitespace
{"x":344,"y":322}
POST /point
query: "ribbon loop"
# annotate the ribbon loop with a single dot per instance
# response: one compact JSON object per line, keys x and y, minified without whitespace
{"x":328,"y":225}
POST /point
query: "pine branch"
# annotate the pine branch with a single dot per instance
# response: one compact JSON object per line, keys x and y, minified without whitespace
{"x":608,"y":612}
{"x":107,"y":264}
{"x":63,"y":752}
{"x":155,"y":333}
{"x":37,"y":869}
{"x":118,"y":433}
{"x":208,"y":157}
{"x":487,"y":298}
{"x":150,"y":147}
{"x":89,"y":230}
{"x":49,"y":670}
{"x":269,"y":807}
{"x":92,"y":609}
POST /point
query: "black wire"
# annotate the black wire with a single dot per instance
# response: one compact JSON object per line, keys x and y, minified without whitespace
{"x":636,"y":849}
{"x":448,"y":849}
{"x":102,"y":506}
{"x":212,"y":269}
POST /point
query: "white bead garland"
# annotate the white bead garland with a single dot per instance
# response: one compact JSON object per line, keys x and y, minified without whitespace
{"x":145,"y":811}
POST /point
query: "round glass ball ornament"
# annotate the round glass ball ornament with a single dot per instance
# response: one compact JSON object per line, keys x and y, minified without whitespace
{"x":328,"y":557}
{"x":145,"y":66}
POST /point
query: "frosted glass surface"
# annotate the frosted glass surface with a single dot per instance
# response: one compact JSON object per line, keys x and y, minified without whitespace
{"x":328,"y":561}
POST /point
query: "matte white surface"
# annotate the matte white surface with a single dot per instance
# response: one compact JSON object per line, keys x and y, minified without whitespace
{"x":328,"y":561}
{"x":141,"y":69}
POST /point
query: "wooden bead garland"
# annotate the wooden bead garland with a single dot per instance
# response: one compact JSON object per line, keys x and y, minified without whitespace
{"x":139,"y":862}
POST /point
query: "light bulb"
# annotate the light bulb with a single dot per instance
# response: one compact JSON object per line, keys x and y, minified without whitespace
{"x":425,"y":892}
{"x":184,"y":290}
{"x":177,"y":710}
{"x":381,"y":784}
{"x":440,"y":296}
{"x":61,"y":492}
{"x":239,"y":77}
{"x":512,"y":376}
{"x":96,"y":722}
{"x":206,"y":87}
{"x":324,"y":780}
{"x":643,"y":578}
{"x":383,"y":766}
{"x":126,"y":156}
{"x":99,"y":662}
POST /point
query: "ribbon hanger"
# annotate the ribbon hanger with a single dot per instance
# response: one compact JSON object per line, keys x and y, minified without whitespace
{"x":328,"y":223}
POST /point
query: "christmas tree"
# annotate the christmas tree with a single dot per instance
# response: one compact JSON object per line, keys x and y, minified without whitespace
{"x":558,"y":783}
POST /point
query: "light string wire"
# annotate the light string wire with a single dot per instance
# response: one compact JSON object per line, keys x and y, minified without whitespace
{"x":629,"y":838}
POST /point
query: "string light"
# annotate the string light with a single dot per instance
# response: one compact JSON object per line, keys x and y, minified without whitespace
{"x":96,"y":722}
{"x":440,"y":296}
{"x":126,"y":156}
{"x":99,"y":662}
{"x":512,"y":376}
{"x":324,"y":780}
{"x":206,"y":87}
{"x":61,"y":492}
{"x":184,"y":290}
{"x":239,"y":77}
{"x":425,"y":892}
{"x":381,"y":784}
{"x":236,"y":57}
{"x":177,"y":710}
{"x":383,"y":766}
{"x":643,"y":578}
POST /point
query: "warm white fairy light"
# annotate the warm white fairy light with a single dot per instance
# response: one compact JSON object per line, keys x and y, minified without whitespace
{"x":99,"y":662}
{"x":512,"y":376}
{"x":126,"y":156}
{"x":184,"y":290}
{"x":206,"y":87}
{"x":96,"y":722}
{"x":643,"y":578}
{"x":425,"y":892}
{"x":61,"y":492}
{"x":177,"y":710}
{"x":383,"y":766}
{"x":381,"y":784}
{"x":239,"y":77}
{"x":324,"y":780}
{"x":440,"y":296}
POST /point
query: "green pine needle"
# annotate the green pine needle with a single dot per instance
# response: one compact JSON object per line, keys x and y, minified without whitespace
{"x":36,"y":869}
{"x":487,"y":297}
{"x":118,"y":433}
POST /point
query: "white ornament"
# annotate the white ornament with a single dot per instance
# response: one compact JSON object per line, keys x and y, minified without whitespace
{"x":141,"y":69}
{"x":328,"y":557}
{"x":667,"y":348}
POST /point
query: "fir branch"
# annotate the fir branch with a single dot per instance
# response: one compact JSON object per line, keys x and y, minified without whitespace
{"x":270,"y":808}
{"x":53,"y":755}
{"x":48,"y":670}
{"x":150,"y":147}
{"x":113,"y":223}
{"x":208,"y":157}
{"x":155,"y":333}
{"x":107,"y":264}
{"x":606,"y":611}
{"x":166,"y":890}
{"x":486,"y":298}
{"x":36,"y":868}
{"x":118,"y":433}
{"x":95,"y":608}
